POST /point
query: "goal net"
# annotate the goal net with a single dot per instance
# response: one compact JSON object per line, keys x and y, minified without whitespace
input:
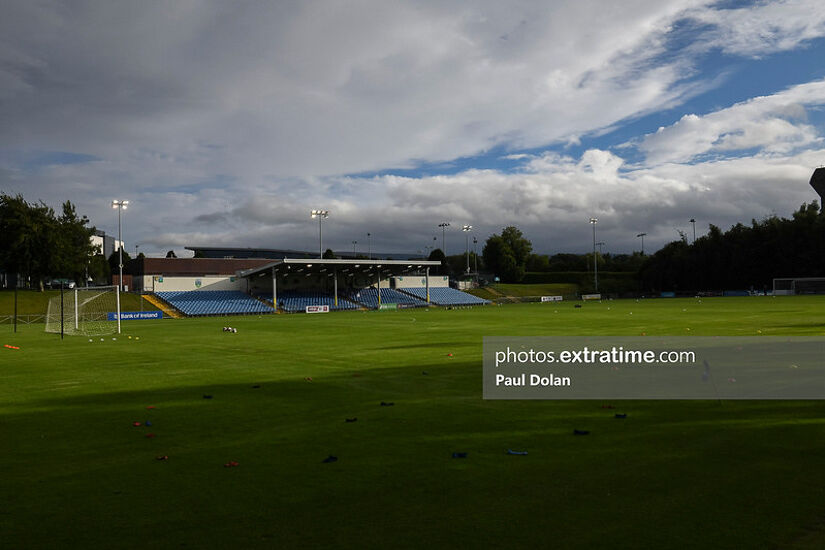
{"x":91,"y":311}
{"x":799,"y":285}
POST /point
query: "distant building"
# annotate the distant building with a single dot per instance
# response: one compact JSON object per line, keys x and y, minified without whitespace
{"x":247,"y":253}
{"x":105,"y":244}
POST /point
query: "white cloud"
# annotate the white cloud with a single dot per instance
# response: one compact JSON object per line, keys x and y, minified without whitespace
{"x":227,"y":124}
{"x":773,"y":124}
{"x":763,"y":28}
{"x":550,"y":200}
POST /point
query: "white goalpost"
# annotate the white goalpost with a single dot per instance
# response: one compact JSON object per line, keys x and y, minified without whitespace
{"x":92,"y":311}
{"x":798,"y":285}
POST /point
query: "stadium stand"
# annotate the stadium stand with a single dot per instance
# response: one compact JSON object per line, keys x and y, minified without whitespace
{"x":213,"y":302}
{"x":369,"y":298}
{"x":295,"y":300}
{"x":445,"y":296}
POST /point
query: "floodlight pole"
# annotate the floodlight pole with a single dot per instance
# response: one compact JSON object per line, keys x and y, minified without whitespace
{"x":475,"y":257}
{"x":378,"y":284}
{"x":275,"y":289}
{"x":593,"y":222}
{"x":693,"y":221}
{"x":467,"y":229}
{"x":320,"y":214}
{"x":117,"y":300}
{"x":427,"y":283}
{"x":369,"y":246}
{"x":444,"y":226}
{"x":642,"y":235}
{"x":120,"y":205}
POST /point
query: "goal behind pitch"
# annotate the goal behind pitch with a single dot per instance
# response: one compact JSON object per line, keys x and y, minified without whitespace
{"x":799,"y":285}
{"x":93,"y":311}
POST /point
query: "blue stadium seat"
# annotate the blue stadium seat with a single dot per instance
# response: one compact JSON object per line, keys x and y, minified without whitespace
{"x":445,"y":296}
{"x":294,"y":301}
{"x":369,"y":298}
{"x":214,"y":302}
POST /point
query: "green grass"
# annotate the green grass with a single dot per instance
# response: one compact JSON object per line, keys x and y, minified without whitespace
{"x":548,"y":289}
{"x":75,"y":472}
{"x":483,"y":292}
{"x":34,"y":302}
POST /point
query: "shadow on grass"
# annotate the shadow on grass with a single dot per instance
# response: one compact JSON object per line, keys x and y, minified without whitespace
{"x":80,"y":470}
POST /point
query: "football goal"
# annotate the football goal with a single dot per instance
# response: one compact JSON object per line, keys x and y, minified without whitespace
{"x":93,"y":311}
{"x":799,"y":285}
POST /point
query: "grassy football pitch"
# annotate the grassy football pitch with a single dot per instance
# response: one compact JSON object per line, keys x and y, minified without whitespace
{"x":76,"y":472}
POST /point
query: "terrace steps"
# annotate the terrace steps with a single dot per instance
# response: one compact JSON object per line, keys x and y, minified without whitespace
{"x":161,"y":305}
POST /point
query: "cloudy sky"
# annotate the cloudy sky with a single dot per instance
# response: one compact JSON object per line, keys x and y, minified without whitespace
{"x":225,"y":123}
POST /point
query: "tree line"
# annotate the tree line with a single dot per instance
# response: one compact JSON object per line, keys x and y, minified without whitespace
{"x":510,"y":256}
{"x":38,"y":244}
{"x":744,"y":257}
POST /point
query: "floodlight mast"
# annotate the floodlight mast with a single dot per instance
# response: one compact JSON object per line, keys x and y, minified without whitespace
{"x":320,"y":214}
{"x":443,"y":226}
{"x":467,"y":229}
{"x":593,"y":222}
{"x":693,"y":221}
{"x":475,"y":257}
{"x":642,"y":235}
{"x":120,"y":205}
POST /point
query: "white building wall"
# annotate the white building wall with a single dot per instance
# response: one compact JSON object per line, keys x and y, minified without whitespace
{"x":159,"y":283}
{"x":99,"y":242}
{"x":419,"y":281}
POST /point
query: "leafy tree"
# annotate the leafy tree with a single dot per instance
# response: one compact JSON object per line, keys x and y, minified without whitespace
{"x":171,"y":254}
{"x":506,"y":254}
{"x":744,"y":257}
{"x":568,"y":262}
{"x":328,"y":254}
{"x":72,"y":245}
{"x":519,"y":246}
{"x":114,"y":261}
{"x":437,"y":255}
{"x":538,"y":262}
{"x":36,"y":244}
{"x":99,"y":270}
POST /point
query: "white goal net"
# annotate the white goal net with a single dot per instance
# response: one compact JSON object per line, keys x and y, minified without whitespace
{"x":93,"y":311}
{"x":799,"y":285}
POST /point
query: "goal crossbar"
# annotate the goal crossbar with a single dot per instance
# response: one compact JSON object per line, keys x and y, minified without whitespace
{"x":89,"y":311}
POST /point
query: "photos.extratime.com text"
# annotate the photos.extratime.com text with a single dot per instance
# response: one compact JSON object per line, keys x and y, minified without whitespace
{"x":587,"y":356}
